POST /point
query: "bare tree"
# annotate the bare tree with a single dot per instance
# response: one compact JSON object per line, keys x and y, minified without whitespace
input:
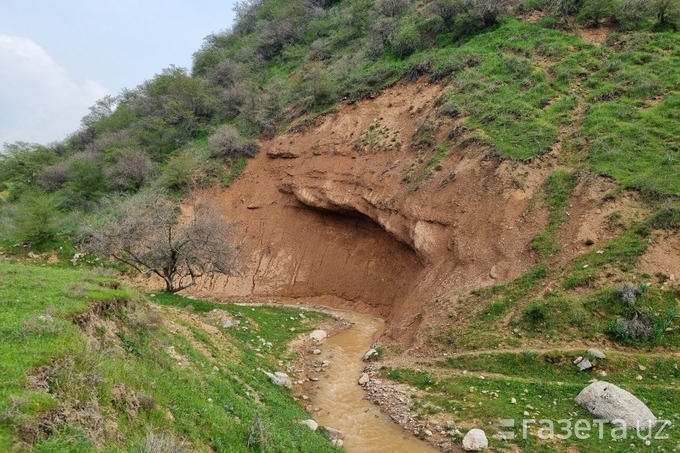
{"x":152,"y":235}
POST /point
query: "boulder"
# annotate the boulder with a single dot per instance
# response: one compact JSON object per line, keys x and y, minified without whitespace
{"x":309,"y":423}
{"x":280,"y":378}
{"x":584,"y":365}
{"x":370,"y":355}
{"x":363,"y":379}
{"x":333,"y":433}
{"x":596,"y":353}
{"x":611,"y":403}
{"x":318,"y":335}
{"x":475,"y":440}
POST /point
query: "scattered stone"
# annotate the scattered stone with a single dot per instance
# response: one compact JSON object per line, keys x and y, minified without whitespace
{"x":578,"y":360}
{"x":638,"y":377}
{"x":428,"y":432}
{"x":596,"y":353}
{"x":615,"y":405}
{"x":499,"y":436}
{"x":318,"y":335}
{"x":475,"y":440}
{"x":363,"y":379}
{"x":333,"y":433}
{"x":311,"y":424}
{"x":584,"y":365}
{"x":513,"y":401}
{"x":370,"y":355}
{"x":642,"y":367}
{"x":280,"y":378}
{"x":337,"y":443}
{"x":603,"y":373}
{"x":316,"y":351}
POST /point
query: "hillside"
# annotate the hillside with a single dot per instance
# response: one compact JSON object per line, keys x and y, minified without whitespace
{"x":498,"y":181}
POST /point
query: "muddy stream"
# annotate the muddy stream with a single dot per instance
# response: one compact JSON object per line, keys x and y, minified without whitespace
{"x":341,"y":399}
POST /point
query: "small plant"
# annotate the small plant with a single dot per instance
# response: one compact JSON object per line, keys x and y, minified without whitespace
{"x":628,"y":293}
{"x":640,"y":327}
{"x":536,"y":313}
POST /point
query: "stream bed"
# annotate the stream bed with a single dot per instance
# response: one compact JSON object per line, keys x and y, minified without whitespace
{"x":341,"y":399}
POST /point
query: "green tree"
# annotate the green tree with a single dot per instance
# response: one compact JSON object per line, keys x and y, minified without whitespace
{"x":37,"y":219}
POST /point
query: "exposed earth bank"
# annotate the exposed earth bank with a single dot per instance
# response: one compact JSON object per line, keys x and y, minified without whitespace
{"x":353,"y":210}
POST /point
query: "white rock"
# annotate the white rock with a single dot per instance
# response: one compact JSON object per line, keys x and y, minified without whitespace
{"x":337,"y":443}
{"x":370,"y":354}
{"x":363,"y":379}
{"x":318,"y":335}
{"x":578,"y":360}
{"x":316,"y":351}
{"x":596,"y":353}
{"x":475,"y":440}
{"x":615,"y":405}
{"x":311,"y":424}
{"x":333,"y":433}
{"x":280,"y":378}
{"x":584,"y":365}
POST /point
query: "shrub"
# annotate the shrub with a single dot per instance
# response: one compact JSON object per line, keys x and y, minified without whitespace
{"x":227,"y":144}
{"x":628,"y":293}
{"x":390,"y":8}
{"x":632,"y":14}
{"x":132,"y":170}
{"x":37,"y":219}
{"x":640,"y":327}
{"x":179,"y":172}
{"x":536,"y":313}
{"x":165,"y":442}
{"x":54,"y":176}
{"x":407,"y":40}
{"x":666,"y":218}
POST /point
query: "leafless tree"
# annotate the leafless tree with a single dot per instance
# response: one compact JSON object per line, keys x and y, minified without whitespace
{"x":152,"y":235}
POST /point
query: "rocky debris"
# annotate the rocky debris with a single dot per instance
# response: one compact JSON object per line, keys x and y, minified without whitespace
{"x":363,"y":379}
{"x":76,"y":258}
{"x":596,"y":353}
{"x":318,"y":335}
{"x":333,"y":433}
{"x":371,"y":354}
{"x":584,"y":365}
{"x":475,"y":440}
{"x":615,"y":405}
{"x":337,"y":443}
{"x":280,"y":378}
{"x":578,"y":360}
{"x":311,"y":424}
{"x":392,"y":400}
{"x":316,"y":351}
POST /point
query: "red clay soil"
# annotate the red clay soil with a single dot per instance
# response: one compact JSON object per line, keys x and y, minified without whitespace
{"x":333,"y":212}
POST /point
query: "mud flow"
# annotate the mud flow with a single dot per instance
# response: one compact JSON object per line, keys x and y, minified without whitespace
{"x":342,"y":401}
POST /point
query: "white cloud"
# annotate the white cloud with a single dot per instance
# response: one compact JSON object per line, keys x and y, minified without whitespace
{"x":39,"y":102}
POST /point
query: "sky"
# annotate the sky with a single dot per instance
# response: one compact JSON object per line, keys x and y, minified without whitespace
{"x":57,"y":57}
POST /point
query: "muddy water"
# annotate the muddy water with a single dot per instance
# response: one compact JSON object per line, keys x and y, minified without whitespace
{"x":342,"y":401}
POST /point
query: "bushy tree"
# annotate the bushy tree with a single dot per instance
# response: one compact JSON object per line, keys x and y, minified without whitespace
{"x":632,"y":14}
{"x":131,"y":171}
{"x":151,"y":235}
{"x":666,"y":12}
{"x":37,"y":217}
{"x":594,"y":11}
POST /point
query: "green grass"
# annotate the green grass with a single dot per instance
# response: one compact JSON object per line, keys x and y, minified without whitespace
{"x":209,"y":401}
{"x":558,"y":189}
{"x":544,"y":390}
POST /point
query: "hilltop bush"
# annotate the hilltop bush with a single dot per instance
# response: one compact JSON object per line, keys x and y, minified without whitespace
{"x":228,"y":144}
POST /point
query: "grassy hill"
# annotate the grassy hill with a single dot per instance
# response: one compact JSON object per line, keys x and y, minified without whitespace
{"x":89,"y":365}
